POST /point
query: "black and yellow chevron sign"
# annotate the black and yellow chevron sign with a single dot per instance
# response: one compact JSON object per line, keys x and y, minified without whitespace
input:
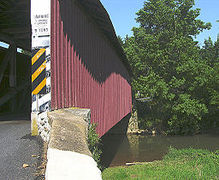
{"x":39,"y":71}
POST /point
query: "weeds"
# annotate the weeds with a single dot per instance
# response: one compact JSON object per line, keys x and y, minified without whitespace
{"x":94,"y":144}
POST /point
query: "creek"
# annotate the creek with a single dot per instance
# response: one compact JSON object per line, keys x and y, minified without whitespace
{"x":137,"y":148}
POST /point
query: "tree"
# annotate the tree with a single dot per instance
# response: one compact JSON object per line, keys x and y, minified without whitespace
{"x":210,"y":54}
{"x":166,"y":63}
{"x":120,"y":40}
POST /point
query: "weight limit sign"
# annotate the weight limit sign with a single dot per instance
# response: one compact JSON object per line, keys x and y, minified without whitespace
{"x":39,"y":71}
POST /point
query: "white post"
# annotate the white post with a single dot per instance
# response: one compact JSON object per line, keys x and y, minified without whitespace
{"x":40,"y":22}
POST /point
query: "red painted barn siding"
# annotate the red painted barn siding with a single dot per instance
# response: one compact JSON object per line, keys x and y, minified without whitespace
{"x":85,"y":71}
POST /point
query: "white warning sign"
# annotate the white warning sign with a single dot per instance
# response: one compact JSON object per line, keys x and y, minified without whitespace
{"x":40,"y":21}
{"x":41,"y":25}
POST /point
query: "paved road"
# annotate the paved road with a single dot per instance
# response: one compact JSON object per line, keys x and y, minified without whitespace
{"x":16,"y":148}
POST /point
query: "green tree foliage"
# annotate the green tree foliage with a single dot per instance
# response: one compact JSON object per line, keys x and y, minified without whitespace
{"x":167,"y":64}
{"x":120,"y":40}
{"x":210,"y":55}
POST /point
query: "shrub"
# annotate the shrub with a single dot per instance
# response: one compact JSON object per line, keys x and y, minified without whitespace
{"x":94,"y":144}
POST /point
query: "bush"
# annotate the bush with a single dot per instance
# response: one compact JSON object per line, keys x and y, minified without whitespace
{"x":94,"y":144}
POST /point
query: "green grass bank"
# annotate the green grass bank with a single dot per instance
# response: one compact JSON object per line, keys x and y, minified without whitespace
{"x":177,"y":164}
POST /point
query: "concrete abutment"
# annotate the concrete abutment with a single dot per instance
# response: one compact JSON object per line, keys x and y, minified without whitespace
{"x":68,"y":154}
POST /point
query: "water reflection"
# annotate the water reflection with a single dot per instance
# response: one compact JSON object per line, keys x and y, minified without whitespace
{"x":134,"y":148}
{"x":111,"y":141}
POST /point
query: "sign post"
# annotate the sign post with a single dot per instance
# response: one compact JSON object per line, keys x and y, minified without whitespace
{"x":41,"y":79}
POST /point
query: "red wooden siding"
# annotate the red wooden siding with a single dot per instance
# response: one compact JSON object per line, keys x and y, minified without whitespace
{"x":85,"y":71}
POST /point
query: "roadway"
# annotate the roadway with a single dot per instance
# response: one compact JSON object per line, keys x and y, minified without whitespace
{"x":18,"y":147}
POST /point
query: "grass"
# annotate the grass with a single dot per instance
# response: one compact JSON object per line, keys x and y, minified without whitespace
{"x":177,"y":164}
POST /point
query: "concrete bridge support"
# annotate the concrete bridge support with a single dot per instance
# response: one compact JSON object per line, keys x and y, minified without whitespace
{"x":68,"y":154}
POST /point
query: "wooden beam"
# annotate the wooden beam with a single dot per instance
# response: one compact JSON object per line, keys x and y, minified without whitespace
{"x":12,"y":69}
{"x":12,"y":75}
{"x":18,"y":30}
{"x":10,"y":57}
{"x":23,"y":37}
{"x":7,"y":97}
{"x":11,"y":93}
{"x":6,"y":39}
{"x":23,"y":99}
{"x":4,"y":63}
{"x":20,"y":43}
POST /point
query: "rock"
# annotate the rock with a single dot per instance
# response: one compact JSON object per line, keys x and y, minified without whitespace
{"x":25,"y":165}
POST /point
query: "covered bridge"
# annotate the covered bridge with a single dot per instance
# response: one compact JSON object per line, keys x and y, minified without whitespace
{"x":77,"y":60}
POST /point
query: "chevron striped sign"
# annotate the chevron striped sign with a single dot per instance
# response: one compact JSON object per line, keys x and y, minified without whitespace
{"x":39,"y":71}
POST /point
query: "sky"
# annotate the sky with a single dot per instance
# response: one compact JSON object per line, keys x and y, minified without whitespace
{"x":122,"y":14}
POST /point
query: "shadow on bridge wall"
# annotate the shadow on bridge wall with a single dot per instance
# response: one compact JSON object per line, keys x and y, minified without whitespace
{"x":112,"y":140}
{"x":93,"y":49}
{"x":86,"y":71}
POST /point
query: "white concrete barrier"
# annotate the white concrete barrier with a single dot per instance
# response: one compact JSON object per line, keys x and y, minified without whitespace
{"x":67,"y":165}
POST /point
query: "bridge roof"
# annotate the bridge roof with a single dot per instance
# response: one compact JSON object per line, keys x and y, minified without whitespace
{"x":98,"y":13}
{"x":15,"y":22}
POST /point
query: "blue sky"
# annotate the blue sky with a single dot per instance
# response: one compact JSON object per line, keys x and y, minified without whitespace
{"x":122,"y":13}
